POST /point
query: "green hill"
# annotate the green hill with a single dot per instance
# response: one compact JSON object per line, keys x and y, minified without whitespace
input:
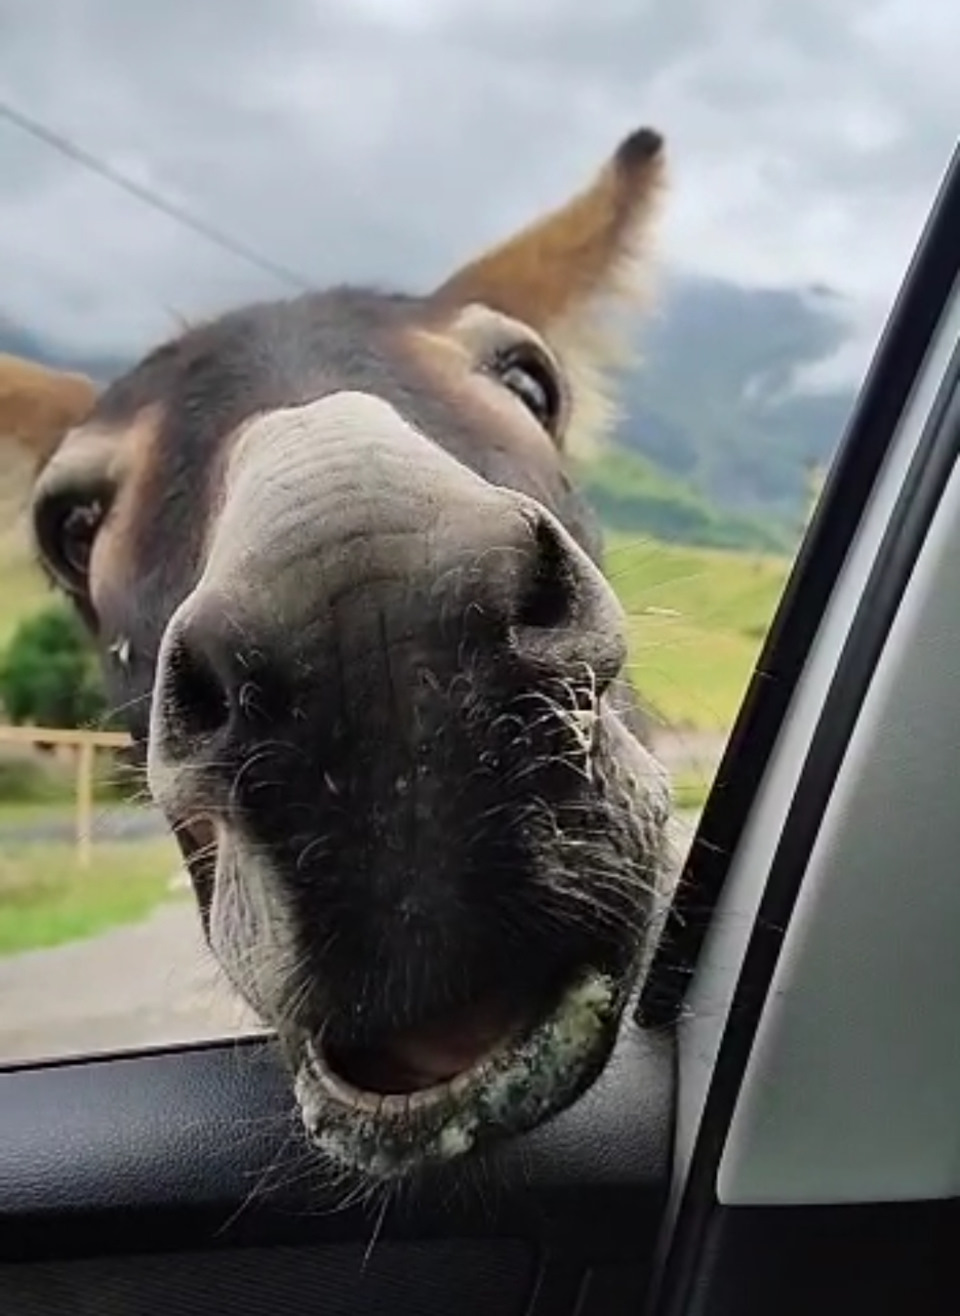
{"x":632,"y":496}
{"x":714,"y":404}
{"x":697,"y":620}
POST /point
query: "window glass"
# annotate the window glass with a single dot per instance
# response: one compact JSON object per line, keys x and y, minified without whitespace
{"x":383,"y":145}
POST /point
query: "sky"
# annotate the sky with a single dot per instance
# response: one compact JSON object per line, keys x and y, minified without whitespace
{"x":387,"y":140}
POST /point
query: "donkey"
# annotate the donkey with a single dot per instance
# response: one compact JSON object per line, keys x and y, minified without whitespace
{"x":344,"y":588}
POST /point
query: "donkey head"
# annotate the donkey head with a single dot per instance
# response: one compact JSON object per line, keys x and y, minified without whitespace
{"x":354,"y":609}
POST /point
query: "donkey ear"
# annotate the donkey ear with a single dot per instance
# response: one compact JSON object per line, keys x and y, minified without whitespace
{"x":568,"y":274}
{"x":555,"y":270}
{"x":38,"y":405}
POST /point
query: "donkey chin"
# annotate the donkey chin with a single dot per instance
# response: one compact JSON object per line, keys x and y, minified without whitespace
{"x":424,"y":1028}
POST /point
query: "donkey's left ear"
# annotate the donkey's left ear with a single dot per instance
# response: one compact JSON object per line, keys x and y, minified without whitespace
{"x":39,"y":405}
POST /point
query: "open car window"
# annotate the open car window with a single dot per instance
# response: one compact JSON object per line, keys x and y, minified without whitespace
{"x":815,"y":1107}
{"x":215,"y":1097}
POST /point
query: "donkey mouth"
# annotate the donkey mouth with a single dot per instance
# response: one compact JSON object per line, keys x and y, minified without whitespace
{"x":390,"y":1109}
{"x":391,"y":1106}
{"x":416,"y":1064}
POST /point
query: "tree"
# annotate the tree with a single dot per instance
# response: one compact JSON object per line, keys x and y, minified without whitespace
{"x":49,"y":674}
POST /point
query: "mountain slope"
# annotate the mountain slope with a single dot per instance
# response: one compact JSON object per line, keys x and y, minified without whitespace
{"x":713,"y":403}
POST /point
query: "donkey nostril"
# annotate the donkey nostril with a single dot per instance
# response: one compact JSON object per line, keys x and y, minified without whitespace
{"x":197,"y":702}
{"x":567,"y":618}
{"x":548,"y":600}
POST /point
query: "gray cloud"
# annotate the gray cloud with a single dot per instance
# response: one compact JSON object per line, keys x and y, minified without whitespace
{"x":386,"y":139}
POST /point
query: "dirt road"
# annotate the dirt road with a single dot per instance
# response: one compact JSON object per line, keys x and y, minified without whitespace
{"x":145,"y":984}
{"x":150,"y":983}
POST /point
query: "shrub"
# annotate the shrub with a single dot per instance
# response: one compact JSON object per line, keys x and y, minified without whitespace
{"x":49,"y":674}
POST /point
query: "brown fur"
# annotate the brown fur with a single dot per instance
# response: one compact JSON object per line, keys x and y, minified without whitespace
{"x":111,"y":562}
{"x":574,"y":255}
{"x":39,"y":404}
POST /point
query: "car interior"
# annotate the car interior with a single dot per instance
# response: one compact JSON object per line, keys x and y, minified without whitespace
{"x":778,"y":1129}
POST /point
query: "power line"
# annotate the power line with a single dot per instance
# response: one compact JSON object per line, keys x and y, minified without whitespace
{"x":149,"y":197}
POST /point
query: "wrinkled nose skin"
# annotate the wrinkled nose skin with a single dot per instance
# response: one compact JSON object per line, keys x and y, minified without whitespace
{"x":360,"y":686}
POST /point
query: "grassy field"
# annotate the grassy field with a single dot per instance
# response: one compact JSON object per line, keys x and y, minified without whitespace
{"x":46,"y":899}
{"x":697,"y":620}
{"x":22,"y":587}
{"x":30,"y":813}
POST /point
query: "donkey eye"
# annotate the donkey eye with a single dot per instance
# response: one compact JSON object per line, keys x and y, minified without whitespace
{"x":78,"y":529}
{"x":66,"y":530}
{"x":531,"y":377}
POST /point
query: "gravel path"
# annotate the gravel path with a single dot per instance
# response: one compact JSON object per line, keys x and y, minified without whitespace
{"x":110,"y":823}
{"x":145,"y":984}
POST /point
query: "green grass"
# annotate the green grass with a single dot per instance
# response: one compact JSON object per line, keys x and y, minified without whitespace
{"x":25,"y":813}
{"x":633,"y":496}
{"x":690,"y":791}
{"x":29,"y":781}
{"x":697,"y":620}
{"x":46,"y":899}
{"x":23,"y":588}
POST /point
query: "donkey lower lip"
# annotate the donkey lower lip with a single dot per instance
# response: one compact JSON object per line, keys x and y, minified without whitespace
{"x":527,"y":1076}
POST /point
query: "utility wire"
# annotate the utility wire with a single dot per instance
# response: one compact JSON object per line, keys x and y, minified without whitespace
{"x":149,"y":197}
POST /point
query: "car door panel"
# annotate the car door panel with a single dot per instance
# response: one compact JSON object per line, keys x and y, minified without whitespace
{"x":189,"y":1151}
{"x":817,"y":1144}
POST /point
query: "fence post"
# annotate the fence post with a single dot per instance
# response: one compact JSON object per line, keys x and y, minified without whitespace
{"x":86,"y":744}
{"x":85,"y":762}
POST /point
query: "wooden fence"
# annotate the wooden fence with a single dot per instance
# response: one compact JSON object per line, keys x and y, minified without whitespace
{"x":86,"y":744}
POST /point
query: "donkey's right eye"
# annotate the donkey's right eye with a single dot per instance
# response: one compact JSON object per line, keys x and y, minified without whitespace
{"x":77,"y":533}
{"x":529,"y":375}
{"x":66,"y":529}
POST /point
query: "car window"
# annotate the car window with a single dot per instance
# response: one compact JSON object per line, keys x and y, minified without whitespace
{"x":138,"y":196}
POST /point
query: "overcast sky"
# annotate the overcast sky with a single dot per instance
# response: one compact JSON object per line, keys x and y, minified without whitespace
{"x":386,"y":139}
